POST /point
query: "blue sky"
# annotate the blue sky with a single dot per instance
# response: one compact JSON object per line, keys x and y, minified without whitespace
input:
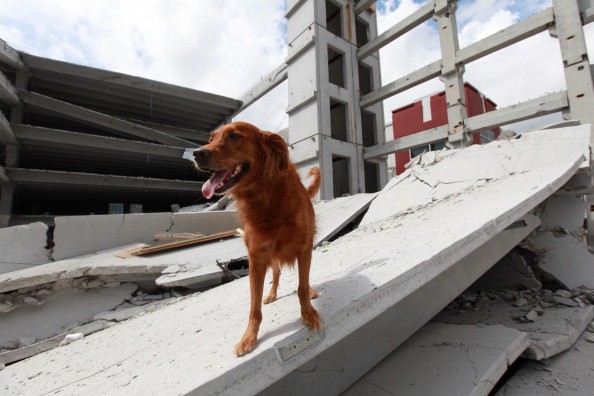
{"x":225,"y":46}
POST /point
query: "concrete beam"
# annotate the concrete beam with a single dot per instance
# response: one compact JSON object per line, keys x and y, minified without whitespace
{"x":10,"y":56}
{"x":528,"y":27}
{"x":20,"y":175}
{"x":587,"y":11}
{"x":8,"y":93}
{"x":6,"y":133}
{"x":407,"y":142}
{"x":4,"y":180}
{"x":363,"y":5}
{"x":547,"y":104}
{"x":29,"y":133}
{"x":407,"y":24}
{"x":402,"y":84}
{"x":266,"y":84}
{"x":91,"y":73}
{"x":95,"y":118}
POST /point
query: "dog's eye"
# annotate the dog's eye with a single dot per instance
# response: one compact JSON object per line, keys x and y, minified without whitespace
{"x":234,"y":136}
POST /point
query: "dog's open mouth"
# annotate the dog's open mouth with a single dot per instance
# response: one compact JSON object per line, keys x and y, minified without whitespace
{"x":223,"y":180}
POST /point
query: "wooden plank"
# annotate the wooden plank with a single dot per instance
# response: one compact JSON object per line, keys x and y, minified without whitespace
{"x":181,"y":243}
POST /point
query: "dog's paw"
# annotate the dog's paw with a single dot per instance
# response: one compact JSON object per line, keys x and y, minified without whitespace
{"x":313,"y":294}
{"x":269,"y":298}
{"x":245,"y":346}
{"x":312,"y":319}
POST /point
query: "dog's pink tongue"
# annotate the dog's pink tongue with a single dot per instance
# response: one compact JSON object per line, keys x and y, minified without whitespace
{"x":209,"y":187}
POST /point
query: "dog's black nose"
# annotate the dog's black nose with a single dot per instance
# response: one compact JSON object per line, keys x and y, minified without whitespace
{"x":198,"y":153}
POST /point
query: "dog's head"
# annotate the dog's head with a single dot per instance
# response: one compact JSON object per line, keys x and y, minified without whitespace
{"x":239,"y":153}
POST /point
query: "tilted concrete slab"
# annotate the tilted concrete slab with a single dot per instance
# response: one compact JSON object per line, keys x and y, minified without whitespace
{"x":567,"y":374}
{"x":23,"y":246}
{"x":443,"y":359}
{"x":331,"y":217}
{"x":369,"y":280}
{"x":442,"y":173}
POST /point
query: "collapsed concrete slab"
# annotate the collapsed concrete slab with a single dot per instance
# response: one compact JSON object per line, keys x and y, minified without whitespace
{"x":104,"y":265}
{"x":552,"y":332}
{"x":437,"y":175}
{"x":569,"y":373}
{"x":58,"y":310}
{"x":368,"y":281}
{"x":23,"y":246}
{"x":443,"y":359}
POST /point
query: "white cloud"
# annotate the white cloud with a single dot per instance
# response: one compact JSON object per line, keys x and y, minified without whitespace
{"x":221,"y":46}
{"x":225,"y":46}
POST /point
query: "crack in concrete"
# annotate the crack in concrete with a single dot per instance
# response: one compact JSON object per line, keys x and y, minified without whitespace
{"x":98,"y":372}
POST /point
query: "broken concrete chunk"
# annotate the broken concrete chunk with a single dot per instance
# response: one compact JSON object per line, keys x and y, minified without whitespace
{"x":565,"y":301}
{"x":532,"y":315}
{"x":563,"y":293}
{"x":590,"y":337}
{"x":32,"y":301}
{"x":521,"y":302}
{"x":6,"y":307}
{"x":71,"y":338}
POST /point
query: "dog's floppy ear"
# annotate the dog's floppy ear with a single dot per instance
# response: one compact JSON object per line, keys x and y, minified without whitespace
{"x":276,"y":153}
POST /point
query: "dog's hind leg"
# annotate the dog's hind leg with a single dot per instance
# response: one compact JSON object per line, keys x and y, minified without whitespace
{"x":310,"y":316}
{"x":271,"y":297}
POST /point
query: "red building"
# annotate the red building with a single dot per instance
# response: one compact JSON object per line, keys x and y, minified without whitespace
{"x":431,"y":112}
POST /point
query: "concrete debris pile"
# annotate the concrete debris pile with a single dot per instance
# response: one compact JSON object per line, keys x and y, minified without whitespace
{"x":533,"y":302}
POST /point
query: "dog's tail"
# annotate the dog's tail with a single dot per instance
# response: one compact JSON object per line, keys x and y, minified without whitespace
{"x":314,"y":186}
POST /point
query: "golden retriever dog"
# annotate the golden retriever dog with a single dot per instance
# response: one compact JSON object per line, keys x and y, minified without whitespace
{"x":274,"y":206}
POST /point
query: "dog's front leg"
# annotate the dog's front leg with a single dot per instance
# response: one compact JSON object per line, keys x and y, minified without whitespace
{"x":257,"y":273}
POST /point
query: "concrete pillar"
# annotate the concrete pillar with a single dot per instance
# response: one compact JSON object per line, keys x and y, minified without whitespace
{"x":327,"y":127}
{"x":570,"y":33}
{"x":451,"y":73}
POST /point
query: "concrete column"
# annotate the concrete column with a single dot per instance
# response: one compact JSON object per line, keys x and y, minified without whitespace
{"x":580,"y":90}
{"x":451,"y":73}
{"x":325,"y":117}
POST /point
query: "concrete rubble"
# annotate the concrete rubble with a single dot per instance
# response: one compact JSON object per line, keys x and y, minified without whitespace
{"x":372,"y":268}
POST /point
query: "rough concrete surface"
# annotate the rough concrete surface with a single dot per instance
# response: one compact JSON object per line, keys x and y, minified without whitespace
{"x":443,"y":359}
{"x":23,"y":246}
{"x":187,"y":346}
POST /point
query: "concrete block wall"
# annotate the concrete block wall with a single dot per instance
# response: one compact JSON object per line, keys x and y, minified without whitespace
{"x":23,"y":246}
